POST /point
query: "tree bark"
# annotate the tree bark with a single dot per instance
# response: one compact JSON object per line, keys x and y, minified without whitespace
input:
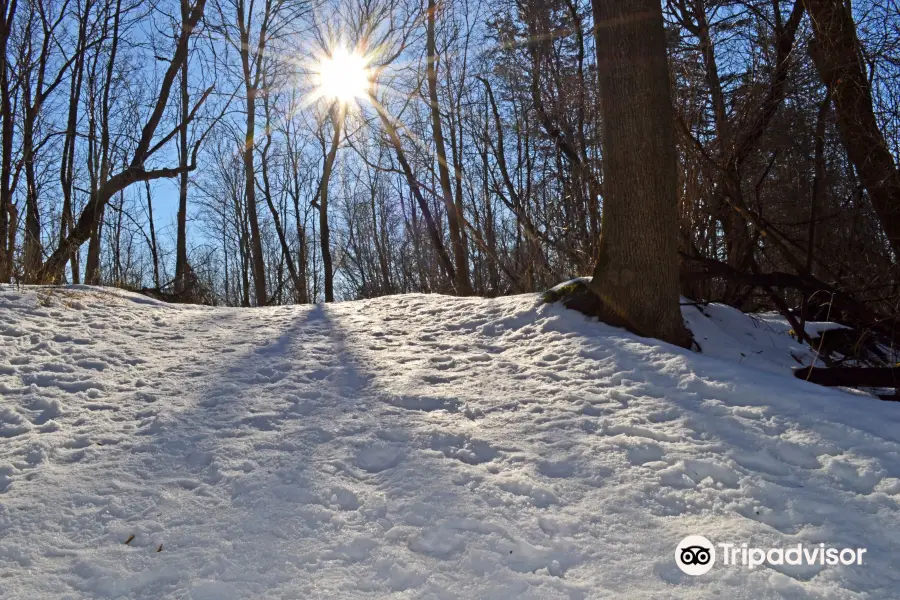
{"x":257,"y":260}
{"x":32,"y":263}
{"x":295,"y":189}
{"x":636,"y":275}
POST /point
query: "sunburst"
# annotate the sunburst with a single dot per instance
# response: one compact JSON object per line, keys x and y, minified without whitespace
{"x":342,"y":76}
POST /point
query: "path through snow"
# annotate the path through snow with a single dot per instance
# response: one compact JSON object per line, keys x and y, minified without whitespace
{"x":414,"y":447}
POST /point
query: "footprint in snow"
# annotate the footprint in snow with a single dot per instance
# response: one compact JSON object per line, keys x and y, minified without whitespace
{"x":378,"y":457}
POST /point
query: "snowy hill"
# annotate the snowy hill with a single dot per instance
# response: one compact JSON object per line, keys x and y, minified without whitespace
{"x":421,"y":447}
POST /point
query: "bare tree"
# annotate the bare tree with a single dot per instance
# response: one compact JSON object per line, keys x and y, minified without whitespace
{"x":454,"y":214}
{"x":92,"y":265}
{"x":836,"y":52}
{"x":136,"y":169}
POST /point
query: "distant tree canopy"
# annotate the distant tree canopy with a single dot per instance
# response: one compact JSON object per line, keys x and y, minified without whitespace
{"x":474,"y":164}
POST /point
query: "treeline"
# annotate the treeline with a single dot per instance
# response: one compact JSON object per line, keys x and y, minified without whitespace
{"x":474,"y":168}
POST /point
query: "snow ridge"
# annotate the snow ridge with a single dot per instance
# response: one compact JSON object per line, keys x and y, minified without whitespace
{"x":417,"y":446}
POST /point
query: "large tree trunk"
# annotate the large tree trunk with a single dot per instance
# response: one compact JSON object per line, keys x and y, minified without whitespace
{"x":836,"y":53}
{"x":92,"y":262}
{"x":636,"y":276}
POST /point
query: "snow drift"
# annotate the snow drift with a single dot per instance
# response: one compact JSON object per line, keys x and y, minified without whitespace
{"x":421,"y":447}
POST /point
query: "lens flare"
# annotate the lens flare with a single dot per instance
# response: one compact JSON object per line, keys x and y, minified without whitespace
{"x":343,"y":76}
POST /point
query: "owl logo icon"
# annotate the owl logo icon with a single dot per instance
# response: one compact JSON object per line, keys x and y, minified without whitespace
{"x":695,"y":555}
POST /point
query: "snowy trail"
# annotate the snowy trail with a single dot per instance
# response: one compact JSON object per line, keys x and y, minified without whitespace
{"x":414,"y":447}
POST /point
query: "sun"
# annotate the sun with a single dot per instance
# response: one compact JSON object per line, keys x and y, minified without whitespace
{"x":343,"y":76}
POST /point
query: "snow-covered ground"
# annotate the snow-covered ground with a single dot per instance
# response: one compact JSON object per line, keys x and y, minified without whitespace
{"x":422,"y":447}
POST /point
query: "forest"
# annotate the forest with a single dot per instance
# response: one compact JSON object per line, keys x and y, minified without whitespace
{"x":457,"y":299}
{"x":196,"y":149}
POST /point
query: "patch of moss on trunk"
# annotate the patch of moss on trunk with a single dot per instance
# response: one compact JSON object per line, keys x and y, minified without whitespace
{"x":577,"y":295}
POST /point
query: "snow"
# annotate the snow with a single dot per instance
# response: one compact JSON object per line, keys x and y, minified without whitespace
{"x":761,"y":341}
{"x":422,"y":446}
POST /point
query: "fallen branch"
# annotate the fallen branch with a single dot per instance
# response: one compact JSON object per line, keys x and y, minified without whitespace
{"x":870,"y":377}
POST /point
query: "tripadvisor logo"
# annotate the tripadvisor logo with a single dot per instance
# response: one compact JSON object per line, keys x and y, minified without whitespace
{"x":695,"y":555}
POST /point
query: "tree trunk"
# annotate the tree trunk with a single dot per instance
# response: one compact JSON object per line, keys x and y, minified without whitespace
{"x":244,"y":250}
{"x":267,"y":192}
{"x":92,"y":261}
{"x":337,"y":114}
{"x":463,"y":287}
{"x":7,"y":129}
{"x":33,"y":252}
{"x":31,"y":76}
{"x":117,"y":255}
{"x":256,"y":253}
{"x":251,"y":87}
{"x":67,"y":164}
{"x":92,"y":267}
{"x":636,"y":275}
{"x":181,"y":236}
{"x":836,"y":53}
{"x":299,"y":224}
{"x":154,"y":250}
